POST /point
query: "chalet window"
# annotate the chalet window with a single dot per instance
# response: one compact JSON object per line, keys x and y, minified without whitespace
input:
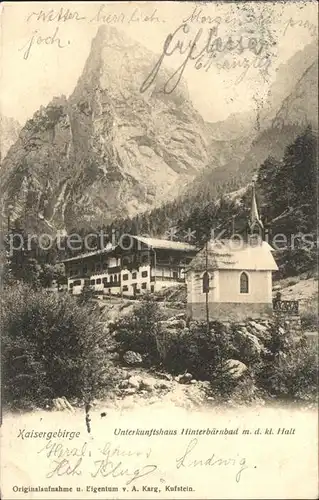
{"x":175,"y":275}
{"x":244,"y":283}
{"x":115,"y":278}
{"x":144,"y":274}
{"x":111,"y":279}
{"x":134,"y":275}
{"x":125,"y":277}
{"x":152,"y":288}
{"x":205,"y":282}
{"x":92,"y":282}
{"x":76,"y":282}
{"x":98,"y":281}
{"x":126,"y":242}
{"x":144,"y":285}
{"x":71,"y":284}
{"x":125,"y":288}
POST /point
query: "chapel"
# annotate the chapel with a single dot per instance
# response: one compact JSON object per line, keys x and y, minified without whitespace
{"x":231,"y":279}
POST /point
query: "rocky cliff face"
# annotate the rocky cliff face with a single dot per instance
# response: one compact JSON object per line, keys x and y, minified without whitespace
{"x":9,"y":132}
{"x":295,"y":79}
{"x":279,"y":124}
{"x":108,"y":150}
{"x":289,"y":76}
{"x":301,"y":106}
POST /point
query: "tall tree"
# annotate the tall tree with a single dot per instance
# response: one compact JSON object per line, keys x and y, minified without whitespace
{"x":21,"y":253}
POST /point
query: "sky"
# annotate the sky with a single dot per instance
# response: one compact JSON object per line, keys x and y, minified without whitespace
{"x":32,"y":78}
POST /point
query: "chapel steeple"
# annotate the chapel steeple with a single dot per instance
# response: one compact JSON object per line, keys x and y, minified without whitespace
{"x":255,"y":224}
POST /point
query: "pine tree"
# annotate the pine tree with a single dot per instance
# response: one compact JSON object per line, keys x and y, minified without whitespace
{"x":302,"y":156}
{"x":21,"y":255}
{"x":266,"y":180}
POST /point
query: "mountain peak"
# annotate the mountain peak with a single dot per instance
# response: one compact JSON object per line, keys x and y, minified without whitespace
{"x":109,"y":150}
{"x":109,"y":35}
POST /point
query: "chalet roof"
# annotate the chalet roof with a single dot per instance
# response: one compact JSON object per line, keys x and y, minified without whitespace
{"x":165,"y":244}
{"x":231,"y":254}
{"x":88,"y":254}
{"x":155,"y":243}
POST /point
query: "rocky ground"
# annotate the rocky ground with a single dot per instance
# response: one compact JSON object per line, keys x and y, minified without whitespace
{"x":301,"y":288}
{"x":134,"y":385}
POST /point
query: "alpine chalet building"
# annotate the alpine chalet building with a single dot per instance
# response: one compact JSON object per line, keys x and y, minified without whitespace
{"x":135,"y":266}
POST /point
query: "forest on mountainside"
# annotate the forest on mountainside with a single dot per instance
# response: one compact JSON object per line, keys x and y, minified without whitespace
{"x":286,"y":191}
{"x":286,"y":194}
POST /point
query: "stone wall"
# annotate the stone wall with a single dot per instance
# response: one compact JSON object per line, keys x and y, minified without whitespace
{"x":229,"y":311}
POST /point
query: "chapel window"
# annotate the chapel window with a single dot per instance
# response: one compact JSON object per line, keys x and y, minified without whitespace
{"x":244,"y":283}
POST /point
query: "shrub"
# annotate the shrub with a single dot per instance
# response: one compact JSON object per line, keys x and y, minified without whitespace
{"x":292,"y":282}
{"x":86,"y":295}
{"x":291,"y":375}
{"x":309,"y":316}
{"x":293,"y":262}
{"x":199,"y":351}
{"x":140,"y":330}
{"x":222,"y":380}
{"x":189,"y":350}
{"x":280,"y":341}
{"x":51,"y":347}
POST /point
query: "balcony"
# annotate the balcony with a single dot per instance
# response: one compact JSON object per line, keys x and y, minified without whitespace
{"x":114,"y":284}
{"x":113,"y":270}
{"x":79,"y":276}
{"x":286,"y":306}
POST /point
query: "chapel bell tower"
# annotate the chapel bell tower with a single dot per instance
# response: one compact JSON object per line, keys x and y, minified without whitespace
{"x":256,"y":230}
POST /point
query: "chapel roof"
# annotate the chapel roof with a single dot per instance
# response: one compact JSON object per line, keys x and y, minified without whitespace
{"x":232,"y":254}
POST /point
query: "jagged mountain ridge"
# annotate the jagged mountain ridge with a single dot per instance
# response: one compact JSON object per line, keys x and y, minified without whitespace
{"x":108,"y":150}
{"x":288,"y":74}
{"x":297,"y":110}
{"x":301,"y":106}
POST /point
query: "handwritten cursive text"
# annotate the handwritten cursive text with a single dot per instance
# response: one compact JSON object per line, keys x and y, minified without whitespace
{"x":187,"y":460}
{"x":201,"y":48}
{"x":37,"y":39}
